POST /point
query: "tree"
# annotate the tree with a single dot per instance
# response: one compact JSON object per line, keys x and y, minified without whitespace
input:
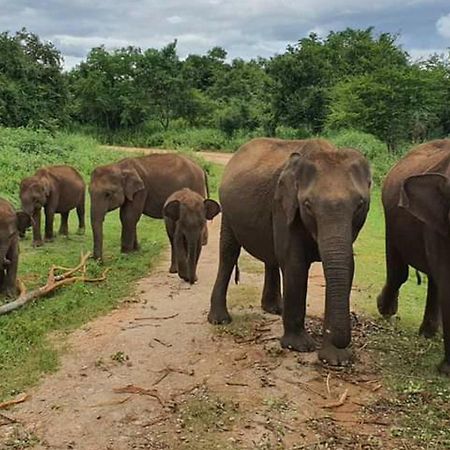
{"x":33,"y":89}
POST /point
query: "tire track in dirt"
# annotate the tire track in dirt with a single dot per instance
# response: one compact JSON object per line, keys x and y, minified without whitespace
{"x":154,"y":374}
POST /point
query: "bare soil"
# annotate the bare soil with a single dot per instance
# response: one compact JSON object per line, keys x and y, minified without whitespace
{"x":154,"y":374}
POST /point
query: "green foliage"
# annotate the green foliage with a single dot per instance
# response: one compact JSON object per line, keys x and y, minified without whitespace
{"x":33,"y":89}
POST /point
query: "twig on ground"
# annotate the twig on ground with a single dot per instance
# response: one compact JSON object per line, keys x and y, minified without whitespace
{"x":328,"y":384}
{"x":20,"y":399}
{"x":235,"y":383}
{"x":167,"y":370}
{"x":165,"y":344}
{"x":305,"y":386}
{"x":9,"y":420}
{"x":131,"y":389}
{"x":112,"y":402}
{"x":157,"y":318}
{"x":337,"y":403}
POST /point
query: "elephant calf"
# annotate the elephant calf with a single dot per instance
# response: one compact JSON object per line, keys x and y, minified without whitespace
{"x":416,"y":199}
{"x":289,"y":203}
{"x":185,"y":215}
{"x":10,"y":223}
{"x":139,"y":186}
{"x":57,"y":189}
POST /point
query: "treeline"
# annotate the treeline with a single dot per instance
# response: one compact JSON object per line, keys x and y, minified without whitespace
{"x":351,"y":79}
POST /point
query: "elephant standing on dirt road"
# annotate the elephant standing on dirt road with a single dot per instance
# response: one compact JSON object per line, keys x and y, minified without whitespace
{"x":185,"y":215}
{"x":139,"y":186}
{"x":289,"y":203}
{"x":57,"y":189}
{"x":416,"y":200}
{"x":10,"y":223}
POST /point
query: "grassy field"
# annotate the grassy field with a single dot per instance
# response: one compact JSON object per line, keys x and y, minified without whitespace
{"x":32,"y":338}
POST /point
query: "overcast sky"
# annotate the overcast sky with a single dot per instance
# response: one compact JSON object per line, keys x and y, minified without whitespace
{"x":245,"y":28}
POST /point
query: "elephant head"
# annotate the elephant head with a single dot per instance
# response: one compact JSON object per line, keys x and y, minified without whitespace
{"x":110,"y":187}
{"x":34,"y":192}
{"x":190,"y":213}
{"x":325,"y":196}
{"x":427,"y":197}
{"x":11,"y":224}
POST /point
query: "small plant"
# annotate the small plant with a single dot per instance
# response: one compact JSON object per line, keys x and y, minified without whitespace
{"x":120,"y":357}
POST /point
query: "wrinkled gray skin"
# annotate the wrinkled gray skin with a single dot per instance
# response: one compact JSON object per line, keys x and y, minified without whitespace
{"x":10,"y":221}
{"x":57,"y":189}
{"x":416,"y":200}
{"x":289,"y":203}
{"x":185,"y":215}
{"x":139,"y":186}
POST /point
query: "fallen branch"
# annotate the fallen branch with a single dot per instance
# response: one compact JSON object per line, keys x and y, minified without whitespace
{"x":157,"y":318}
{"x":337,"y":403}
{"x":53,"y":282}
{"x":303,"y":385}
{"x":131,"y":389}
{"x":20,"y":399}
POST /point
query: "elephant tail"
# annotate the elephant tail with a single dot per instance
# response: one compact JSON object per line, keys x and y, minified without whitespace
{"x":237,"y":274}
{"x":419,"y":278}
{"x":206,"y":183}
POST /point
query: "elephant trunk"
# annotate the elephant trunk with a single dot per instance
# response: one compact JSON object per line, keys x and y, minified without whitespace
{"x":335,"y":247}
{"x":192,"y":251}
{"x":97,"y":217}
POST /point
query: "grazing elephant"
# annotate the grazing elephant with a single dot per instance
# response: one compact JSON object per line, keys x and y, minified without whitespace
{"x":58,"y":189}
{"x":416,"y":199}
{"x":139,"y":186}
{"x":10,"y":222}
{"x":185,"y":215}
{"x":289,"y":203}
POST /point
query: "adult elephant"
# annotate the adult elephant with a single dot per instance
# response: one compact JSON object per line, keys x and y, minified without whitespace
{"x":416,"y":200}
{"x":289,"y":203}
{"x":139,"y":186}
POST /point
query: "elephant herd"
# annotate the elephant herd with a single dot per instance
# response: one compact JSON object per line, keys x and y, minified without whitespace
{"x":286,"y":202}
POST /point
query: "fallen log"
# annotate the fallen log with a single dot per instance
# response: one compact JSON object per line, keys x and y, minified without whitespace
{"x":53,"y":282}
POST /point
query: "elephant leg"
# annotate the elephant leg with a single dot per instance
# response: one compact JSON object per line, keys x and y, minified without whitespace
{"x":170,"y":228}
{"x":443,"y":287}
{"x":129,"y":218}
{"x":229,"y":250}
{"x":10,"y":282}
{"x":81,"y":217}
{"x":295,"y":285}
{"x":37,"y":237}
{"x":397,"y":274}
{"x":181,"y":255}
{"x":2,"y":280}
{"x":432,"y":316}
{"x":205,"y":235}
{"x":271,"y":296}
{"x":64,"y":228}
{"x":49,"y":218}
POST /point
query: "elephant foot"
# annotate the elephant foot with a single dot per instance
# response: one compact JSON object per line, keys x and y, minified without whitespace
{"x":219,"y":317}
{"x":334,"y":356}
{"x":128,"y":250}
{"x":173,"y":269}
{"x":300,"y":342}
{"x":428,"y":329}
{"x":81,"y":231}
{"x":38,"y":243}
{"x":11,"y":292}
{"x":49,"y":239}
{"x":272,"y":307}
{"x":387,"y":305}
{"x":444,"y":368}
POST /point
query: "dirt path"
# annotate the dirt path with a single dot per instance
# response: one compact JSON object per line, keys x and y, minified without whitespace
{"x":155,"y":375}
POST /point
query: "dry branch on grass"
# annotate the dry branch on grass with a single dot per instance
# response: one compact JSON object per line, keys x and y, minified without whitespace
{"x":20,"y":399}
{"x":53,"y":282}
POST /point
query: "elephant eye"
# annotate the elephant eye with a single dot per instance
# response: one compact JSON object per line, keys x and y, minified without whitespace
{"x":360,"y":204}
{"x":307,"y":205}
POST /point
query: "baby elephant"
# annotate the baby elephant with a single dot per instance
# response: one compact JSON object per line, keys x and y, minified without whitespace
{"x":58,"y":189}
{"x":10,"y":222}
{"x":185,"y":214}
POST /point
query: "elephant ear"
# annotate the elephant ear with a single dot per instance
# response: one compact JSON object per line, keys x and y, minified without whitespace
{"x":132,"y":183}
{"x":172,"y":210}
{"x":212,"y":208}
{"x":426,"y":198}
{"x":286,"y":190}
{"x":23,"y":221}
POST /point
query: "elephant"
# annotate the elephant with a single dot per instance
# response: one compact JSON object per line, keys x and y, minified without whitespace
{"x":185,"y":215}
{"x":290,"y":203}
{"x":416,"y":199}
{"x":137,"y":186}
{"x":10,"y":223}
{"x":57,"y":189}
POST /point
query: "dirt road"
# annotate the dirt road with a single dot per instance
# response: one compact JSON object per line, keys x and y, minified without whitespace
{"x":155,"y":375}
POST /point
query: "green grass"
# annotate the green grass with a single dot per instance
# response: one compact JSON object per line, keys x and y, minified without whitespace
{"x":32,"y":338}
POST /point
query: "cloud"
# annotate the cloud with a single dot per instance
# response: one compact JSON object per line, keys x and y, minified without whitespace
{"x":244,"y":28}
{"x":443,"y":26}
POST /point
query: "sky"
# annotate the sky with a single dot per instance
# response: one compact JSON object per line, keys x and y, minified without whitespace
{"x":245,"y":28}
